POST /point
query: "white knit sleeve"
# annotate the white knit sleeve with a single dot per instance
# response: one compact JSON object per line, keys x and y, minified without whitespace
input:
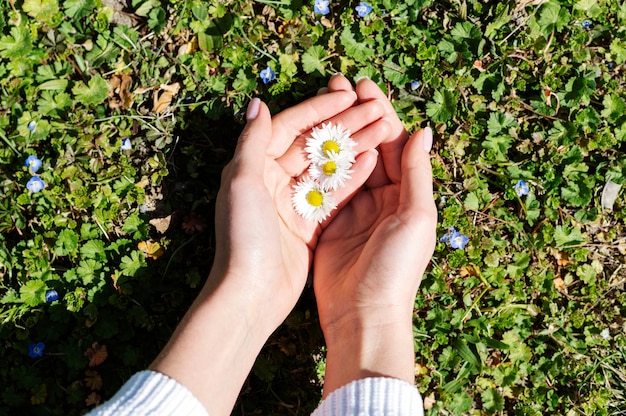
{"x":377,"y":396}
{"x":151,"y":393}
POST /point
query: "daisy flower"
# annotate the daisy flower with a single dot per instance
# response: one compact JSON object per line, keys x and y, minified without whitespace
{"x":331,"y":173}
{"x":330,"y":142}
{"x":312,"y":201}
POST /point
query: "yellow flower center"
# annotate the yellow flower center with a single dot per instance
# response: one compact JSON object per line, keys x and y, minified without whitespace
{"x":315,"y":198}
{"x":330,"y":146}
{"x":329,"y":168}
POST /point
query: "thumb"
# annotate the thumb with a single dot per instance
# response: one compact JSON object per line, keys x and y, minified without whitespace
{"x":416,"y":195}
{"x":254,"y":139}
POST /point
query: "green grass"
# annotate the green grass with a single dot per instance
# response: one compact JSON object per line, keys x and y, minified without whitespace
{"x":528,"y":319}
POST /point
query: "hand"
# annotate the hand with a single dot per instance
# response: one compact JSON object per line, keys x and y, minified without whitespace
{"x":369,"y":261}
{"x":264,"y":248}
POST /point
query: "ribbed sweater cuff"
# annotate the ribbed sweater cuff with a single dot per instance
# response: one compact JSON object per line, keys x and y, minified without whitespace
{"x":151,"y":393}
{"x":377,"y":396}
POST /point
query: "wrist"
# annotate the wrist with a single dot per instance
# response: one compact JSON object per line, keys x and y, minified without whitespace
{"x":380,"y":347}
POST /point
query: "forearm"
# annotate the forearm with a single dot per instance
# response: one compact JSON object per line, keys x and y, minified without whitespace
{"x":375,"y":346}
{"x":215,"y":345}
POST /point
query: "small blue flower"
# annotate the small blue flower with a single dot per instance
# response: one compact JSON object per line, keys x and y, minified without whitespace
{"x":321,"y":7}
{"x":415,"y":85}
{"x":586,"y":24}
{"x":363,"y":9}
{"x":267,"y":75}
{"x":458,"y":240}
{"x":454,"y":239}
{"x":35,"y":184}
{"x":521,"y":188}
{"x":36,"y":349}
{"x":52,"y":295}
{"x":126,"y":144}
{"x":33,"y":163}
{"x":32,"y":126}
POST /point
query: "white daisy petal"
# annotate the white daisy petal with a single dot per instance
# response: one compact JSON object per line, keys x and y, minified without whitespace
{"x":312,"y":201}
{"x":330,"y":141}
{"x":331,"y":173}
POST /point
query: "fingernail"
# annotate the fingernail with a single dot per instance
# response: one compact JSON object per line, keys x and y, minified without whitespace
{"x":361,"y":78}
{"x":322,"y":90}
{"x":336,"y":74}
{"x":427,"y":136}
{"x":253,"y":109}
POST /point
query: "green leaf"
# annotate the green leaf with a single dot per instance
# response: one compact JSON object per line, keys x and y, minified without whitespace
{"x":500,"y":122}
{"x":287,"y":64}
{"x":17,"y":44}
{"x":42,"y":10}
{"x":313,"y":60}
{"x":465,"y":30}
{"x":135,"y":226}
{"x":78,"y":8}
{"x":614,"y":107}
{"x":566,"y":236}
{"x":492,"y":400}
{"x":33,"y":293}
{"x":67,"y":243}
{"x":464,"y":351}
{"x":130,"y":265}
{"x":93,"y":249}
{"x":443,"y":107}
{"x":92,"y":94}
{"x":590,"y":7}
{"x":498,"y":146}
{"x":553,"y":17}
{"x":360,"y":51}
{"x":87,"y":270}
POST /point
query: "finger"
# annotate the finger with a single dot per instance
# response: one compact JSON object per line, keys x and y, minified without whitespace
{"x":295,"y":160}
{"x":254,"y":139}
{"x":338,"y":82}
{"x":362,"y":169}
{"x":416,"y":192}
{"x":391,"y":147}
{"x":300,"y":118}
{"x":379,"y":176}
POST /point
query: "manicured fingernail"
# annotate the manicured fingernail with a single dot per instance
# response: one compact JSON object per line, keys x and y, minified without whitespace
{"x":427,"y":136}
{"x":361,"y":78}
{"x":253,"y":109}
{"x":322,"y":90}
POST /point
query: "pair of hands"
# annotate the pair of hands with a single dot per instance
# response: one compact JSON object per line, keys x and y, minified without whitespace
{"x":368,"y":256}
{"x":371,"y":252}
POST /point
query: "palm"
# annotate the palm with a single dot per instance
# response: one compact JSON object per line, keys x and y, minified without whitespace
{"x":375,"y":251}
{"x":268,"y":234}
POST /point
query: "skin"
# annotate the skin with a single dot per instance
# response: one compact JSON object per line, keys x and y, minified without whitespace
{"x":370,"y":260}
{"x":369,"y":255}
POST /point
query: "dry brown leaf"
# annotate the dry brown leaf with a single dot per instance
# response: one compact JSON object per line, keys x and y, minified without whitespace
{"x":161,"y":224}
{"x":470,"y":270}
{"x":96,"y":353}
{"x":562,"y":259}
{"x":151,"y":248}
{"x":93,"y":380}
{"x":93,"y":399}
{"x":429,"y":401}
{"x":164,"y":96}
{"x":559,"y":284}
{"x":120,"y":95}
{"x":193,"y":223}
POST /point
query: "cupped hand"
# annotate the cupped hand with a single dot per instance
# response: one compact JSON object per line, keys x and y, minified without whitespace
{"x":264,"y":248}
{"x":369,"y":261}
